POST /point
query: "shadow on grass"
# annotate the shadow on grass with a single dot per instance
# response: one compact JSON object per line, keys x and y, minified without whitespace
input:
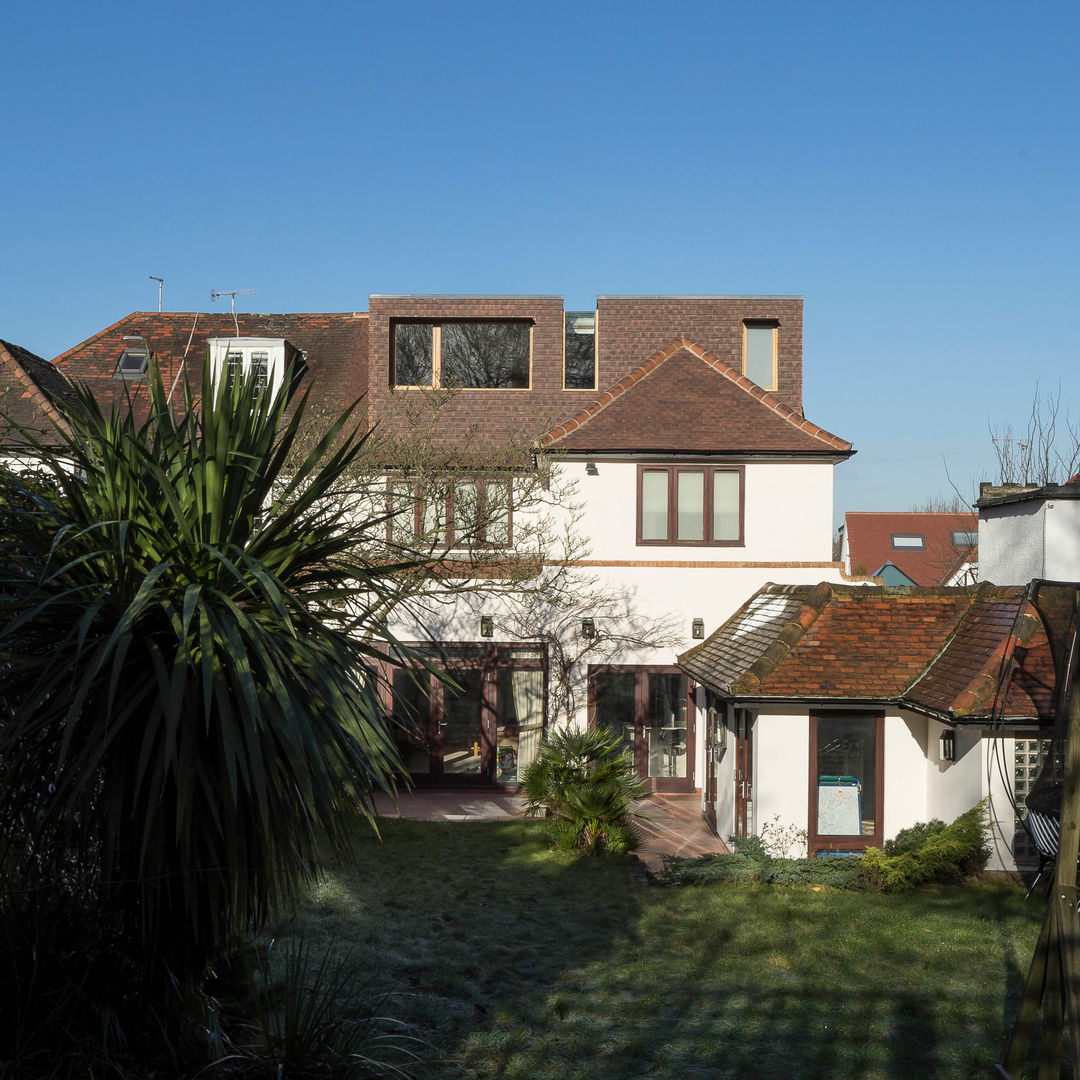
{"x":519,"y":963}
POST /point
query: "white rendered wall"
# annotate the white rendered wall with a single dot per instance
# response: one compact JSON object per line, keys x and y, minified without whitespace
{"x":781,"y":770}
{"x":1038,"y":538}
{"x":1062,"y":524}
{"x":905,"y":772}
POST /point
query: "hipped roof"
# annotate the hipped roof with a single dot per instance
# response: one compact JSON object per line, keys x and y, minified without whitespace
{"x":33,"y":396}
{"x":940,"y":651}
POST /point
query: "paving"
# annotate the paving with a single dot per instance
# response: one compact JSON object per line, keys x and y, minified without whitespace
{"x":673,"y":824}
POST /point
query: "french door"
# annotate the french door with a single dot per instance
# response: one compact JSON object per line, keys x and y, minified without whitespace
{"x":744,"y":772}
{"x":847,"y":764}
{"x":649,"y":709}
{"x":483,"y":727}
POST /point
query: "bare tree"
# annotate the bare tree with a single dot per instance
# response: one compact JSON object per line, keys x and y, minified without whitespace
{"x":1046,"y":451}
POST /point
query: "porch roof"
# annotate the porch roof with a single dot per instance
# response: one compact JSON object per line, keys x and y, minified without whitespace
{"x":940,"y":651}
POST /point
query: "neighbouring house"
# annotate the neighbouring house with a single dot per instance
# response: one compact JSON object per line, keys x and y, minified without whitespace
{"x":911,"y":548}
{"x":619,"y":479}
{"x":33,"y":397}
{"x":1029,"y":531}
{"x":855,"y":712}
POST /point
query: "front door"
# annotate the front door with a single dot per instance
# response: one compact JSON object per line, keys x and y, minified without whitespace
{"x":744,"y":772}
{"x":648,"y":708}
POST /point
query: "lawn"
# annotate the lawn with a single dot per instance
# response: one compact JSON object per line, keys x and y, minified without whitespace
{"x":515,"y":962}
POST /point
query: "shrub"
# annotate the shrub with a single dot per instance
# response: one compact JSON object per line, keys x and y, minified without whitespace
{"x":914,"y":837}
{"x":587,"y":790}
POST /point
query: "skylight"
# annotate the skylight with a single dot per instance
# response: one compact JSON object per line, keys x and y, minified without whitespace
{"x":133,"y":364}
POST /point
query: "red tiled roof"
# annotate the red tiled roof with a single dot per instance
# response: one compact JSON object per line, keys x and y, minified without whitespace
{"x":32,"y":394}
{"x":685,"y":398}
{"x":870,"y":546}
{"x":939,"y":650}
{"x":335,"y":344}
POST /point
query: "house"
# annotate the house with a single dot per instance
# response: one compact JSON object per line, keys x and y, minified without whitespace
{"x":617,"y":477}
{"x":912,"y":548}
{"x":1029,"y":531}
{"x":853,"y":713}
{"x":33,"y":396}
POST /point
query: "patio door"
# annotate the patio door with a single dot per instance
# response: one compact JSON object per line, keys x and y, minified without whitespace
{"x":744,"y":772}
{"x":649,"y":709}
{"x":483,"y":728}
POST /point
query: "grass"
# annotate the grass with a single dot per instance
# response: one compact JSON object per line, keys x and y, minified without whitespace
{"x":516,"y":962}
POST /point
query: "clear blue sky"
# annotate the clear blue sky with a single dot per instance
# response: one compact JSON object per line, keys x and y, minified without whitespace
{"x":911,"y":169}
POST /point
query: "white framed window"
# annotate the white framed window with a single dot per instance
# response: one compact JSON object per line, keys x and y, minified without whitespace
{"x":760,"y":353}
{"x":263,"y":359}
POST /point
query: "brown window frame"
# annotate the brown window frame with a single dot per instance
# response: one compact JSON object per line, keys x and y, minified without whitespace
{"x":707,"y":510}
{"x":839,"y":842}
{"x":762,"y":324}
{"x":448,"y":537}
{"x":436,"y":352}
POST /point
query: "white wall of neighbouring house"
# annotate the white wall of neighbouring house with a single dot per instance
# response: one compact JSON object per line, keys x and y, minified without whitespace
{"x":1011,"y":542}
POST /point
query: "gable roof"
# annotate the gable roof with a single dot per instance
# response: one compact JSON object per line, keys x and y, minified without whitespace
{"x":870,"y":543}
{"x":335,"y":345}
{"x":940,"y":650}
{"x":33,"y":394}
{"x":684,"y":398}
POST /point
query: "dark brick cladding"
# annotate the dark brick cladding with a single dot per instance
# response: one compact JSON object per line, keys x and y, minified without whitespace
{"x":629,"y":331}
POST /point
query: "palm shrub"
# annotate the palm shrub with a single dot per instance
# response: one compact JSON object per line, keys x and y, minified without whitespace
{"x":587,"y":790}
{"x":188,"y":630}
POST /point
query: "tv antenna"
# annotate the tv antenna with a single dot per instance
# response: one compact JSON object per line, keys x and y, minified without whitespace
{"x":160,"y":286}
{"x":232,"y":294}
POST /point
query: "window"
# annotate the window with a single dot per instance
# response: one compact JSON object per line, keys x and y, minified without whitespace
{"x":471,"y":355}
{"x":759,"y":353}
{"x":908,"y":542}
{"x":579,"y":372}
{"x":846,"y":774}
{"x":458,"y":514}
{"x":962,"y":539}
{"x":691,"y":504}
{"x":262,"y":360}
{"x":133,"y":364}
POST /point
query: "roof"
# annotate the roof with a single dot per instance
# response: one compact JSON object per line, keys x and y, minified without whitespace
{"x":991,"y":495}
{"x":33,"y":394}
{"x":335,"y":345}
{"x":937,"y":650}
{"x":685,"y":399}
{"x":871,"y":545}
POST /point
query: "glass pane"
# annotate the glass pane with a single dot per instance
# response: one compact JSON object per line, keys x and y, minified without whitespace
{"x":759,"y":355}
{"x":654,"y":505}
{"x":519,"y":720}
{"x":487,"y":355}
{"x":466,"y":517}
{"x":615,"y":698}
{"x":580,"y":352}
{"x":435,"y":513}
{"x":403,"y":523}
{"x":497,"y":514}
{"x":462,"y":729}
{"x":412,"y":354}
{"x":691,"y":505}
{"x":666,"y":723}
{"x":412,"y":722}
{"x":725,"y":506}
{"x":845,"y":775}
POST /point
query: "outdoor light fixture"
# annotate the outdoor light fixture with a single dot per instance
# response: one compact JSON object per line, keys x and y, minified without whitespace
{"x":591,"y":469}
{"x":947,"y":745}
{"x":487,"y":626}
{"x":697,"y":628}
{"x":588,"y":628}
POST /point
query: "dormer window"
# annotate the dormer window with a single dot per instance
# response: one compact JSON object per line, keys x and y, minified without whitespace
{"x":133,"y":364}
{"x":579,"y":372}
{"x":760,"y":352}
{"x":263,"y":360}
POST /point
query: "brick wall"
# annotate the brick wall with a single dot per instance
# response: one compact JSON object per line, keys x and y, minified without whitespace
{"x":629,"y":331}
{"x":632,"y":328}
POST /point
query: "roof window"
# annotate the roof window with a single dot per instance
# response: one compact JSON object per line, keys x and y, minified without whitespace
{"x":133,"y":364}
{"x":964,"y":539}
{"x":909,"y":541}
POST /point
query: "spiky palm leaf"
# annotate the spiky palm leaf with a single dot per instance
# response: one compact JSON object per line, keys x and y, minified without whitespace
{"x":187,"y":707}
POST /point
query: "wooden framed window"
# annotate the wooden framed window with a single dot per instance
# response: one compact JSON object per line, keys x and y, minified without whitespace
{"x":457,"y":513}
{"x":468,"y":354}
{"x":690,"y":504}
{"x":760,"y":353}
{"x":847,"y":780}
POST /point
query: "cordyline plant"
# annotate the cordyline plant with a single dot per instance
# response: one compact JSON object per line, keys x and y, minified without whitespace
{"x":187,"y":647}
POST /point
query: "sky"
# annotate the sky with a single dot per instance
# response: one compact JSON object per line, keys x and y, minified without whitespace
{"x":910,"y":169}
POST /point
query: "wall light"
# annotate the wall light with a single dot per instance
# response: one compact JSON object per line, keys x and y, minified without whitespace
{"x":591,"y":469}
{"x":947,"y":745}
{"x":588,"y":628}
{"x":697,"y":628}
{"x":487,"y":626}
